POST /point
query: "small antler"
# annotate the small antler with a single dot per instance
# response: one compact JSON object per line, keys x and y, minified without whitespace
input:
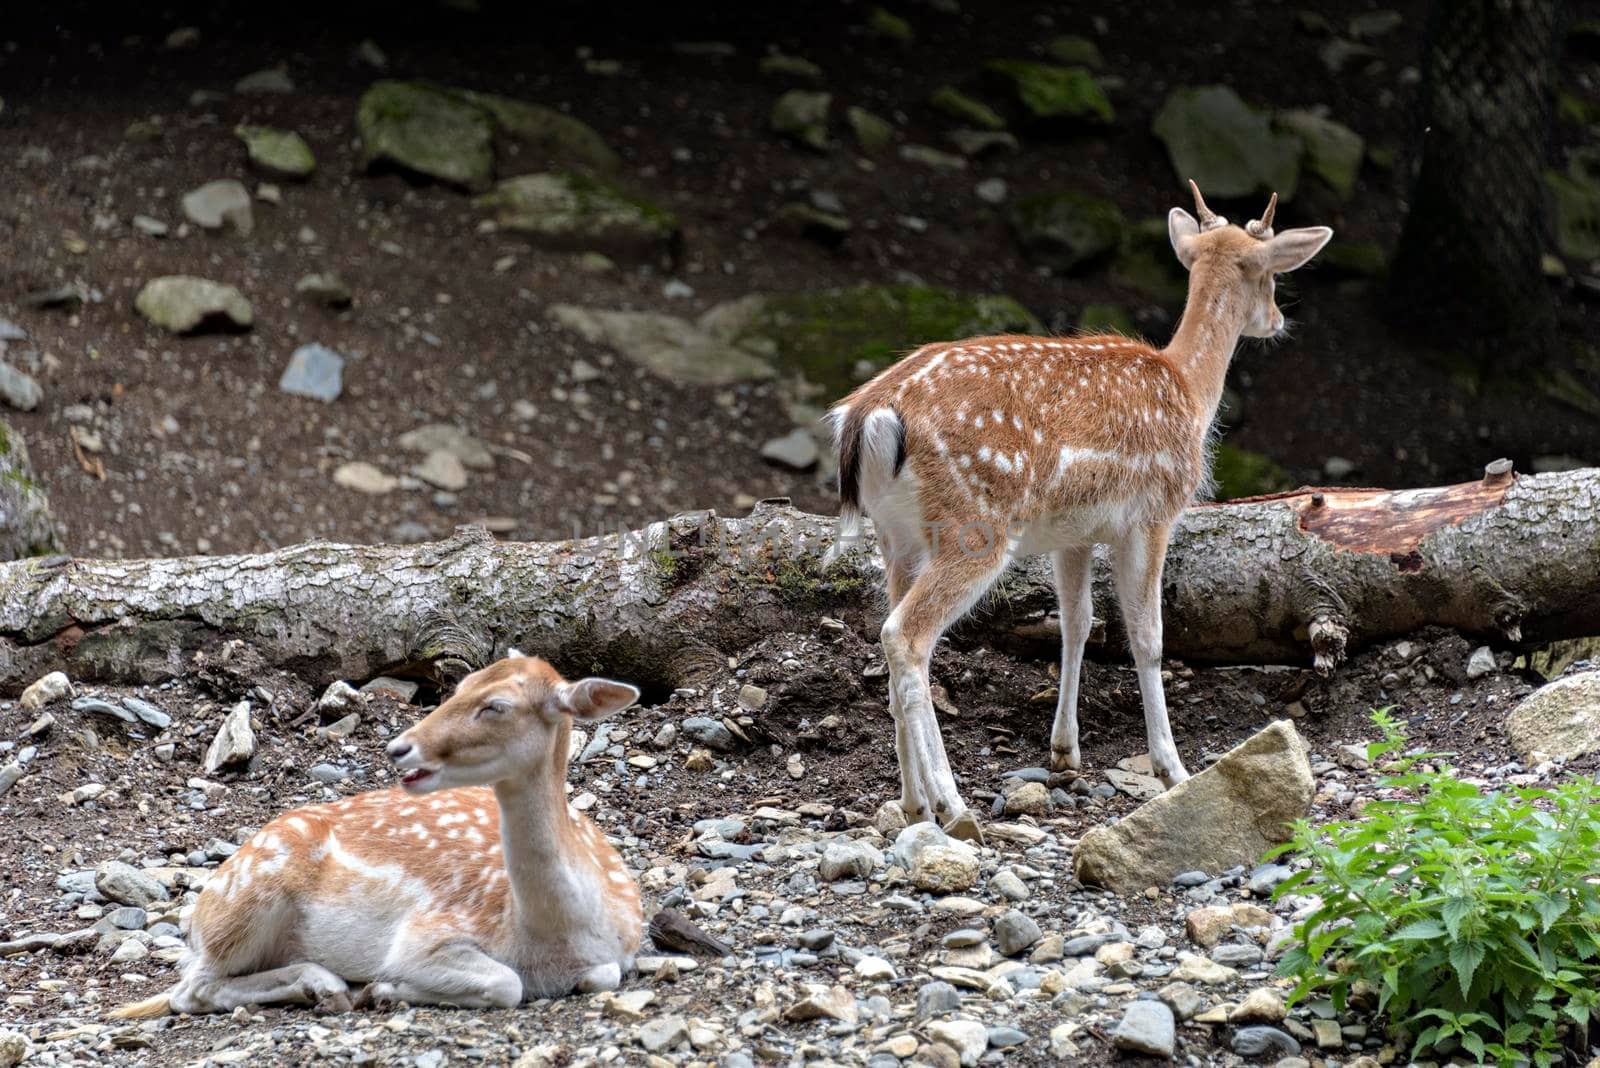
{"x":1262,"y":227}
{"x":1209,"y":220}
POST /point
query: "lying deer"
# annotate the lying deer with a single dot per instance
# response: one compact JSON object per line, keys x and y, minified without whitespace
{"x":969,"y":454}
{"x":472,"y":884}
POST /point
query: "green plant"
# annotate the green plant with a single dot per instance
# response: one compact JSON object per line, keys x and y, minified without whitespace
{"x":1473,"y":916}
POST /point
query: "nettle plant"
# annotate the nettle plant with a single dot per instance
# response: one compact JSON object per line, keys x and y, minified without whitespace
{"x":1472,"y":917}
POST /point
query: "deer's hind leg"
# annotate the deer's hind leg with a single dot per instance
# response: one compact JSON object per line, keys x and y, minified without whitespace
{"x":302,"y":983}
{"x":452,"y":971}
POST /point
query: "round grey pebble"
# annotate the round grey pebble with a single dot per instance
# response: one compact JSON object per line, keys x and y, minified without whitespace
{"x":937,"y":997}
{"x":1258,"y":1041}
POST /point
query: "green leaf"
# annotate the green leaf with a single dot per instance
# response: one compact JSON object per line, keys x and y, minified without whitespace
{"x":1551,"y":908}
{"x":1420,"y":931}
{"x":1455,"y":910}
{"x":1473,"y":1044}
{"x":1465,"y":958}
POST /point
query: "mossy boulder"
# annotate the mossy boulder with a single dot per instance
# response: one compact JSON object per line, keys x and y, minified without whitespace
{"x":27,"y":527}
{"x":426,"y":131}
{"x":562,"y":209}
{"x":958,"y":105}
{"x":1074,"y":51}
{"x":802,"y":116}
{"x":1067,"y":229}
{"x":837,"y":338}
{"x":1228,"y":147}
{"x":1333,"y":151}
{"x":873,"y":134}
{"x":282,"y":153}
{"x":554,"y":136}
{"x":1147,"y":264}
{"x":888,"y":26}
{"x":1576,"y":195}
{"x":1239,"y":472}
{"x":1106,"y":319}
{"x":1049,"y":91}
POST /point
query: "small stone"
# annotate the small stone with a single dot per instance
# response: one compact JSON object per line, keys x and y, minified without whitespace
{"x":1353,"y":757}
{"x":890,"y":819}
{"x":662,"y":1034}
{"x":340,"y":729}
{"x":338,"y":698}
{"x":1337,"y":467}
{"x":875,"y":969}
{"x":235,"y":742}
{"x":1201,"y":970}
{"x":707,"y":732}
{"x":1184,"y":1000}
{"x":10,"y":775}
{"x":14,"y":1048}
{"x":278,"y":152}
{"x":1015,"y":931}
{"x":752,"y":698}
{"x":935,"y":998}
{"x":848,"y":860}
{"x":402,"y":690}
{"x":968,"y":1038}
{"x":1260,"y":1041}
{"x":944,"y":870}
{"x":314,"y":371}
{"x":1261,"y":1005}
{"x":1028,"y":799}
{"x":271,"y":80}
{"x":1237,"y":955}
{"x":442,"y":469}
{"x":224,"y":202}
{"x":1328,"y":1034}
{"x":363,"y":477}
{"x":1005,"y":1037}
{"x":325,"y":288}
{"x":1008,"y":885}
{"x":130,"y":950}
{"x":19,"y":389}
{"x":1146,"y":1027}
{"x":182,"y":304}
{"x":992,"y":191}
{"x":1481,"y":663}
{"x":46,"y":690}
{"x":835,"y":1002}
{"x":328,"y":773}
{"x":127,"y":885}
{"x":629,"y":1005}
{"x":796,"y":449}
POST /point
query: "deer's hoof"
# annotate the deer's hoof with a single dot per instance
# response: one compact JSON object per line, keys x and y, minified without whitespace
{"x":1064,"y":760}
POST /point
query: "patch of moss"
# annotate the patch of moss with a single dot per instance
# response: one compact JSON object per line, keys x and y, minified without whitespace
{"x":958,"y":105}
{"x":1241,"y":473}
{"x":1067,"y":229}
{"x":1075,"y":51}
{"x":1052,"y":92}
{"x":837,"y":338}
{"x":424,"y":130}
{"x":809,"y":590}
{"x":1363,"y":259}
{"x":1148,"y":264}
{"x":577,"y":208}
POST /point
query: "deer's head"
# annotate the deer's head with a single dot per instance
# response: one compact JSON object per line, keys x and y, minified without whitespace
{"x":507,"y":721}
{"x":1245,"y":259}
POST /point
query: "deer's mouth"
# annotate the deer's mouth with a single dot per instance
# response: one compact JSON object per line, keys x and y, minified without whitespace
{"x":416,"y":777}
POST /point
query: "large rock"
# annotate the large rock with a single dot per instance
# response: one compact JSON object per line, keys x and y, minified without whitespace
{"x":283,"y":153}
{"x":1228,"y":147}
{"x":1227,"y":815}
{"x":1333,"y":151}
{"x":1067,"y":229}
{"x":426,"y":131}
{"x":1558,"y":720}
{"x":1576,"y":195}
{"x":567,"y":210}
{"x":1147,"y":1027}
{"x":27,"y":528}
{"x":674,"y":348}
{"x":1052,"y":92}
{"x":184,"y":304}
{"x":803,"y":116}
{"x":551,"y":135}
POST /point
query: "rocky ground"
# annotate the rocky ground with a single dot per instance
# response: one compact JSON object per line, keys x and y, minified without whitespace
{"x":775,"y":153}
{"x":752,"y":805}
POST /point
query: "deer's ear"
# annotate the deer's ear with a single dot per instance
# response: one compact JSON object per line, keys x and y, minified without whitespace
{"x":594,"y":698}
{"x":1293,"y":248}
{"x":1182,"y":229}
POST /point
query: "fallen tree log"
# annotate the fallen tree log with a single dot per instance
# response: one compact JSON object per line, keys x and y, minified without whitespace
{"x":1295,"y":577}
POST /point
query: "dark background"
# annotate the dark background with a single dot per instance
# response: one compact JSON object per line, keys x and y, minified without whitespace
{"x":440,"y":332}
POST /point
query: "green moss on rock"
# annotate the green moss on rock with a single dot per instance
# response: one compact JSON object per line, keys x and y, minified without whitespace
{"x":1052,"y":92}
{"x":1147,"y":264}
{"x":958,"y":105}
{"x":568,"y":210}
{"x":283,"y":153}
{"x":557,"y":137}
{"x":1362,"y":259}
{"x":1067,"y":229}
{"x":837,"y":338}
{"x":1241,"y":473}
{"x":426,"y":131}
{"x":1228,"y":147}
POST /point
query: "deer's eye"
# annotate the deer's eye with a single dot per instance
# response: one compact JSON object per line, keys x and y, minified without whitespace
{"x":497,"y":707}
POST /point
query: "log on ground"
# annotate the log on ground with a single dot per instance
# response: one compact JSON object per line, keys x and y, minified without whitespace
{"x":1298,"y":577}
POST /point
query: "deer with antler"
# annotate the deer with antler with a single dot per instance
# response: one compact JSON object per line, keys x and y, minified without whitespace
{"x":969,"y":454}
{"x":472,"y":884}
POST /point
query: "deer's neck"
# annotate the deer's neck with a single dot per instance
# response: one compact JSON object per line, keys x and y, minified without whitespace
{"x":1213,"y":318}
{"x":547,"y":863}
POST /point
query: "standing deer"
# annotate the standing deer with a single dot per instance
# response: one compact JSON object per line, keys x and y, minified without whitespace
{"x":969,"y":454}
{"x":471,"y":884}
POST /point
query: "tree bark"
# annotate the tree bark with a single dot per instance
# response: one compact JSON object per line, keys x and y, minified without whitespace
{"x":1290,"y":578}
{"x":1466,"y":274}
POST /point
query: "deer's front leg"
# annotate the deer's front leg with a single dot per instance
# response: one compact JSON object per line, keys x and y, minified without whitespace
{"x":1073,"y":592}
{"x":1137,"y":570}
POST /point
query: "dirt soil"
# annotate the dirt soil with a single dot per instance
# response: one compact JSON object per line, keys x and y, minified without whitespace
{"x":202,"y":453}
{"x":163,"y":809}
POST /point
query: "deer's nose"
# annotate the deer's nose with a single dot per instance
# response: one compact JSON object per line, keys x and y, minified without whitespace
{"x":398,"y":749}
